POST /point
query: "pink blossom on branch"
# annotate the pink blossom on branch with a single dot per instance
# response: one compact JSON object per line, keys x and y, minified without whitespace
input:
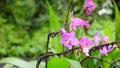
{"x":77,"y":22}
{"x":68,"y":39}
{"x":105,"y":50}
{"x":85,"y":45}
{"x":89,"y":7}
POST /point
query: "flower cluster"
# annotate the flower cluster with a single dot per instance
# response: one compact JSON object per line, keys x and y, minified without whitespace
{"x":85,"y":43}
{"x":105,"y":49}
{"x":89,"y":7}
{"x":69,"y":39}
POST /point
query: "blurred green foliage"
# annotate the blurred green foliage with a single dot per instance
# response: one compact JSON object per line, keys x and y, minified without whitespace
{"x":20,"y":28}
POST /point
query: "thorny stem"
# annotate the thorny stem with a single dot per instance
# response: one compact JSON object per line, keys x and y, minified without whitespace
{"x":71,"y":50}
{"x":100,"y":46}
{"x":51,"y":34}
{"x":93,"y":57}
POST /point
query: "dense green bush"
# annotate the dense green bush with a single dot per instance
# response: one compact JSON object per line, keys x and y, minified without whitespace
{"x":20,"y":33}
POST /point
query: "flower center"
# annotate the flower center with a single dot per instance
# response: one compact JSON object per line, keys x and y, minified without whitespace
{"x":68,"y":41}
{"x":84,"y":44}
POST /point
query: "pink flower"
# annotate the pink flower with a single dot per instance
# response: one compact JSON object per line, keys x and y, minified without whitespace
{"x":68,"y":39}
{"x":89,"y":7}
{"x":105,"y":50}
{"x":96,"y":39}
{"x":85,"y":45}
{"x":106,"y":39}
{"x":77,"y":22}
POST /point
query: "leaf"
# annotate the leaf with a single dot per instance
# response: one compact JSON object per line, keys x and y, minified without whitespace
{"x":54,"y":26}
{"x":34,"y":62}
{"x":17,"y":62}
{"x":8,"y":66}
{"x":54,"y":21}
{"x":56,"y":62}
{"x":117,"y":22}
{"x":74,"y":63}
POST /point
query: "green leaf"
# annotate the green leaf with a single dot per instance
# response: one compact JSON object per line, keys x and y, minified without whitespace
{"x":117,"y":22}
{"x":74,"y":63}
{"x":34,"y":62}
{"x":17,"y":62}
{"x":56,"y":62}
{"x":8,"y":66}
{"x":54,"y":21}
{"x":54,"y":26}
